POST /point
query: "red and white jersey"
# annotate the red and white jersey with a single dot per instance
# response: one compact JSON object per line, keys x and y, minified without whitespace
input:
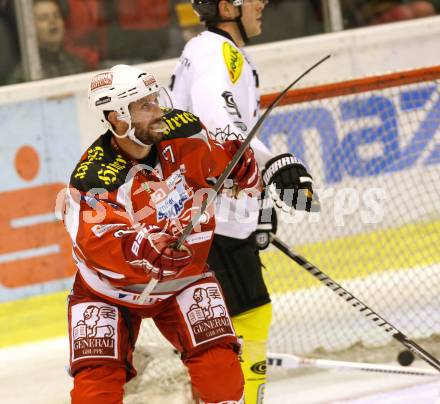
{"x":217,"y":81}
{"x":110,"y":196}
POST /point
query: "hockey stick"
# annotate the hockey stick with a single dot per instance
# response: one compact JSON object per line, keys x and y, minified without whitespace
{"x":356,"y":303}
{"x":219,"y":183}
{"x":287,"y":361}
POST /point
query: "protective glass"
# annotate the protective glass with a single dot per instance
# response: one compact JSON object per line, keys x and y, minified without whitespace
{"x":165,"y":101}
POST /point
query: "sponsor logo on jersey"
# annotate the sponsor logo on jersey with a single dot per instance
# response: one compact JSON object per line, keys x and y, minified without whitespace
{"x":233,"y":60}
{"x":172,"y":205}
{"x":199,"y":237}
{"x":108,"y":174}
{"x":179,"y":120}
{"x":231,"y":105}
{"x":174,"y":179}
{"x":94,"y":331}
{"x":205,"y":313}
{"x":101,"y":80}
{"x":93,"y":154}
{"x":170,"y":195}
{"x":100,"y":229}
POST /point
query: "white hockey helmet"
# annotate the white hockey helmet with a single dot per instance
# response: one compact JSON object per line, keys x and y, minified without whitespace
{"x":116,"y":88}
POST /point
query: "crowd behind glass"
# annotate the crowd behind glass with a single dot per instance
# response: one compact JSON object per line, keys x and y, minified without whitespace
{"x":74,"y":36}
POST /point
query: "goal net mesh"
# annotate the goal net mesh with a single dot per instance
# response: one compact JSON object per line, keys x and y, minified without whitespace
{"x":373,"y":148}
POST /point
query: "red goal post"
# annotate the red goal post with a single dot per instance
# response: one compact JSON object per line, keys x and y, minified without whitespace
{"x":354,"y":86}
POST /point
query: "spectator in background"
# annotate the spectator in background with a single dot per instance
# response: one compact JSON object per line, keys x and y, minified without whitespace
{"x":55,"y":61}
{"x":363,"y":12}
{"x":86,"y":30}
{"x":138,"y":30}
{"x":9,"y":45}
{"x":106,"y":32}
{"x":402,"y":11}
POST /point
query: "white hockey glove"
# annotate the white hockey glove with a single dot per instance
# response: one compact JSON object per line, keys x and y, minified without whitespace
{"x":267,"y":223}
{"x":290,"y":185}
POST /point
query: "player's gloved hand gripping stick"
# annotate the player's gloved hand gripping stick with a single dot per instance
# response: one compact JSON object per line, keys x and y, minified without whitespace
{"x":228,"y":170}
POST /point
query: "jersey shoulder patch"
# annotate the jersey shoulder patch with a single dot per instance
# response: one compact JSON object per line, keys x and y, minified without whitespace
{"x":181,"y":124}
{"x":233,"y":60}
{"x":100,"y":167}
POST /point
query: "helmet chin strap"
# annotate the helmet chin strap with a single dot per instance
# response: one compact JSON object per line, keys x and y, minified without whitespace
{"x":239,"y":23}
{"x":130,"y":134}
{"x":133,"y":138}
{"x":241,"y":26}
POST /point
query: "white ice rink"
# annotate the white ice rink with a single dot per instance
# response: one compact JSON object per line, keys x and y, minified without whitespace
{"x":35,"y":374}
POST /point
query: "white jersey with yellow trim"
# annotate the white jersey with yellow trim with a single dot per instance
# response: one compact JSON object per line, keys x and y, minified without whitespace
{"x":217,"y":81}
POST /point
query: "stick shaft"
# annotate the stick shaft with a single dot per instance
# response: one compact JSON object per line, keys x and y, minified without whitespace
{"x":357,"y":304}
{"x":287,"y":361}
{"x":143,"y":297}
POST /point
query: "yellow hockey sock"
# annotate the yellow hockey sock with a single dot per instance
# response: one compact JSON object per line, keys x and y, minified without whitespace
{"x":252,"y":327}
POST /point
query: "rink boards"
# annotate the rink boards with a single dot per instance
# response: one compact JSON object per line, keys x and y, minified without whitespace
{"x":48,"y":125}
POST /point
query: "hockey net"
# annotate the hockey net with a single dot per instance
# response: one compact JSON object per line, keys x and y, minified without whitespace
{"x":373,"y":147}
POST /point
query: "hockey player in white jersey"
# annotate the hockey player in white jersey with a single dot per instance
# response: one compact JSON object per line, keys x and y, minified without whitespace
{"x":216,"y":79}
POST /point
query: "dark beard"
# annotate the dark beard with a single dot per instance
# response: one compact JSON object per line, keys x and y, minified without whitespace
{"x":147,"y":137}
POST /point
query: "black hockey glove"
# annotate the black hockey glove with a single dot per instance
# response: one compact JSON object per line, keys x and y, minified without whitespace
{"x":267,"y":222}
{"x":290,"y":185}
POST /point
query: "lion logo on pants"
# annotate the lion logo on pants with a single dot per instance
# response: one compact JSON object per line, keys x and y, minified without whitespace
{"x":203,"y":301}
{"x":93,"y":324}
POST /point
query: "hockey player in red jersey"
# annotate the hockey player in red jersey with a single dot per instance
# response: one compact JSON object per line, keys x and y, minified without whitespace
{"x":129,"y":198}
